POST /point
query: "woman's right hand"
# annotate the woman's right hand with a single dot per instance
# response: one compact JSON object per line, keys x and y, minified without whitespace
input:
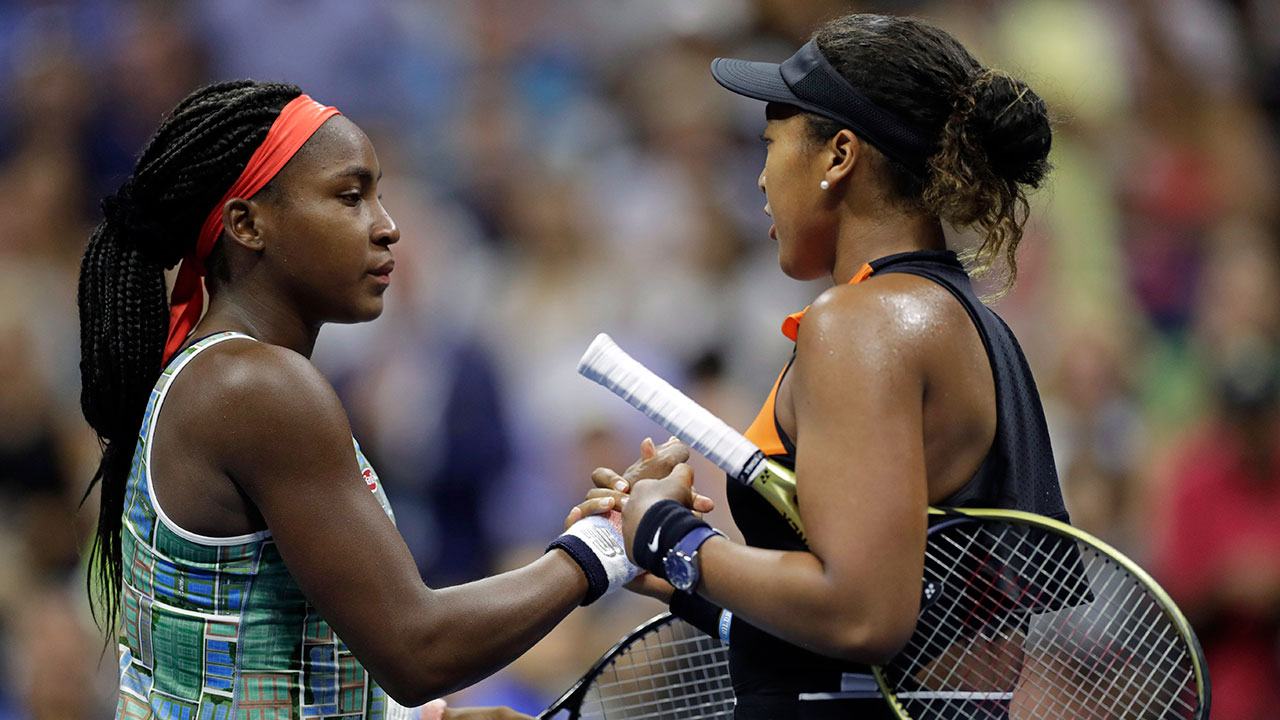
{"x":611,"y":491}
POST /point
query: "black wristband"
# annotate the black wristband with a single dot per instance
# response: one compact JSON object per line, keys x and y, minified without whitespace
{"x":597,"y":578}
{"x":663,"y":525}
{"x":697,"y":611}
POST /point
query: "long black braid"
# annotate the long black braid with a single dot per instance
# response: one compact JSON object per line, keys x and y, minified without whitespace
{"x":150,"y":224}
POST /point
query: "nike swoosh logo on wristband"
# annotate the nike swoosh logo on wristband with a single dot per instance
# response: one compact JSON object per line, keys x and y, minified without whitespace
{"x":653,"y":544}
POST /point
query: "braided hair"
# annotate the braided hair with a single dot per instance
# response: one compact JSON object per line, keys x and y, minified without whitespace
{"x":149,"y":225}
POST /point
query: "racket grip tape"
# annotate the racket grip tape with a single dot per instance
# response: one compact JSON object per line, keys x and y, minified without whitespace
{"x":609,"y":365}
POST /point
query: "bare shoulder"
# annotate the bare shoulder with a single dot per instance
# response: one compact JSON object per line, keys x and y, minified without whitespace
{"x":256,"y":400}
{"x":259,"y":377}
{"x":887,"y":313}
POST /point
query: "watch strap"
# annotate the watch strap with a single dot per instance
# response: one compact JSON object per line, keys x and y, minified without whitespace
{"x":689,"y":544}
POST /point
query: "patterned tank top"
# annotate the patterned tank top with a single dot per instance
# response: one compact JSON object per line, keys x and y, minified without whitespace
{"x":215,"y":628}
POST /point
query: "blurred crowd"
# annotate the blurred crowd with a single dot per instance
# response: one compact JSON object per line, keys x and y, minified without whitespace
{"x":560,"y":168}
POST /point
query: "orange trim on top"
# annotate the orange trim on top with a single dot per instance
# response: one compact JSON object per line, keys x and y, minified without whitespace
{"x":863,"y":273}
{"x":791,"y":325}
{"x":764,"y":429}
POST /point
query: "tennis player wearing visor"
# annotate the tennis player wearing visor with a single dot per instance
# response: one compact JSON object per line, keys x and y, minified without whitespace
{"x":905,"y":390}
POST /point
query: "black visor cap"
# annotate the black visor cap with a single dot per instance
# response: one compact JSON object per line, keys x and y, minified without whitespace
{"x":808,"y":81}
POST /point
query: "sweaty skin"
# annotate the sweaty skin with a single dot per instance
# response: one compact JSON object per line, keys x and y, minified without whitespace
{"x":891,"y":403}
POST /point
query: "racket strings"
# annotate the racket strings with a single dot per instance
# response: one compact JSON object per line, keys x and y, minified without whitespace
{"x":659,"y":680}
{"x":984,"y":660}
{"x":999,"y":630}
{"x":1053,"y":627}
{"x":988,"y":659}
{"x":662,"y":695}
{"x":1059,"y":678}
{"x":1125,"y":679}
{"x":673,"y":672}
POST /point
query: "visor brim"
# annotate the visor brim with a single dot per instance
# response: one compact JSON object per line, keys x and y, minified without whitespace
{"x":757,"y":80}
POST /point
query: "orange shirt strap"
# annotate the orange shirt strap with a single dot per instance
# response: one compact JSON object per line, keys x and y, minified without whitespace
{"x":791,"y":325}
{"x":764,"y":429}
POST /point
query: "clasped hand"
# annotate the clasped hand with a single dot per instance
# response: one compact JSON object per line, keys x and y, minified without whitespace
{"x":659,"y":474}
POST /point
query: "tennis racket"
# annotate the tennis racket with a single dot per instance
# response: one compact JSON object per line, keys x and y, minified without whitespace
{"x":1021,"y":616}
{"x":609,"y":365}
{"x":666,"y":668}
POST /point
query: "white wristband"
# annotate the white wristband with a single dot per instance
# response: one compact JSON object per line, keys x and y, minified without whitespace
{"x":603,"y":537}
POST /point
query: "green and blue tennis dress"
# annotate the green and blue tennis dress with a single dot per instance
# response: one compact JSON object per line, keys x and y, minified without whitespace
{"x":215,"y":628}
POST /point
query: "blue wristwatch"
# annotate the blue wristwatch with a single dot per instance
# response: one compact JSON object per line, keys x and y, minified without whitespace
{"x":681,"y":562}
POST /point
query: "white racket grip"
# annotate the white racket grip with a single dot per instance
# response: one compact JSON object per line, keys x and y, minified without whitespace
{"x":609,"y":365}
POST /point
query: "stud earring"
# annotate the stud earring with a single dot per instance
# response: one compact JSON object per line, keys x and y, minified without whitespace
{"x":824,"y":185}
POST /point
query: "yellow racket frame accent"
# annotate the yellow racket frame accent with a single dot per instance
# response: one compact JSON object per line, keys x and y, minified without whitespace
{"x":777,"y":485}
{"x":1170,"y":608}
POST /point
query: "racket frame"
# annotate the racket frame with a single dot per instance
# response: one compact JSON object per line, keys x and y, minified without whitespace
{"x":1167,"y":605}
{"x":777,"y":485}
{"x":571,"y":699}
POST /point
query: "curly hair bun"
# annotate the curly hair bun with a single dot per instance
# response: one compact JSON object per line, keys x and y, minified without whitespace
{"x":1012,"y":124}
{"x":993,"y":131}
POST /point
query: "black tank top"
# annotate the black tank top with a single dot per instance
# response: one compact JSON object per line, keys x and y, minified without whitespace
{"x":1018,"y":473}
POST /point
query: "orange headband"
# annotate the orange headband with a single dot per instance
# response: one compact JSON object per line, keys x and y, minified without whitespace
{"x":297,"y":122}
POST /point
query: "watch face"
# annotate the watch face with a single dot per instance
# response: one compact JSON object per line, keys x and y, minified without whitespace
{"x":680,"y":572}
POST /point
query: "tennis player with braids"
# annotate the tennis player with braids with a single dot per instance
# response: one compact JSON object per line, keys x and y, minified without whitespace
{"x":904,"y":390}
{"x":245,"y":550}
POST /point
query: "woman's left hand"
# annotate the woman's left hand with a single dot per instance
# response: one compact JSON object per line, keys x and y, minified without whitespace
{"x":612,"y":491}
{"x":678,"y":486}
